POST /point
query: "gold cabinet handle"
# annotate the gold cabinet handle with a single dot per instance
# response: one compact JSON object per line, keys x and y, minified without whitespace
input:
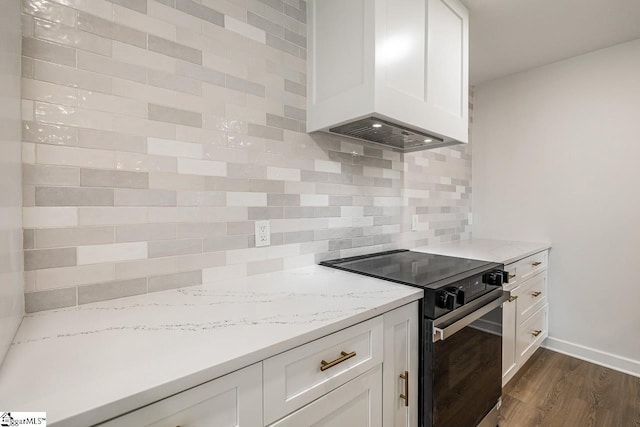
{"x":536,"y":294}
{"x":512,"y":276}
{"x":326,"y":365}
{"x":537,"y":263}
{"x":405,"y":396}
{"x":513,"y":298}
{"x":536,"y":332}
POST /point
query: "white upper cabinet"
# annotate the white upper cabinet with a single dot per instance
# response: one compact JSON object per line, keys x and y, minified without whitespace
{"x":402,"y":61}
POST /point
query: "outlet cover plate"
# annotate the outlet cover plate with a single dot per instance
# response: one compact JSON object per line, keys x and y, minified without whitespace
{"x":263,"y":233}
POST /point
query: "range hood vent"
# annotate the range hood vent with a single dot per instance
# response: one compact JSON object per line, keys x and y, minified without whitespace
{"x":392,"y":135}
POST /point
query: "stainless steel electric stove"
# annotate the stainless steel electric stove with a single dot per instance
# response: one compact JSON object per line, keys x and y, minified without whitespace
{"x":461,"y":344}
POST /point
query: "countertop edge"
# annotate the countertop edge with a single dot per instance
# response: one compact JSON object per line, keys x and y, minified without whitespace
{"x":130,"y":403}
{"x":483,"y":249}
{"x":526,"y":254}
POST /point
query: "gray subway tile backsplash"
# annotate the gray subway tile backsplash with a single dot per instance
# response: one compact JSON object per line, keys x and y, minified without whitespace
{"x":246,"y":86}
{"x":294,"y":87}
{"x":265,"y":24}
{"x":38,"y":259}
{"x":50,"y":175}
{"x":174,"y":140}
{"x":164,"y":248}
{"x":174,"y":82}
{"x":145,"y":232}
{"x":68,"y":196}
{"x":45,"y":51}
{"x":135,"y":197}
{"x":282,"y":45}
{"x":174,"y":115}
{"x":111,"y":290}
{"x":73,"y":236}
{"x":175,"y":50}
{"x":283,"y":199}
{"x":265,"y":132}
{"x":295,"y":38}
{"x":173,"y":281}
{"x":299,"y":14}
{"x":200,"y":73}
{"x":28,"y":239}
{"x":113,"y":178}
{"x":275,"y":4}
{"x":137,"y":5}
{"x":200,"y":11}
{"x":49,"y":300}
{"x":105,"y":28}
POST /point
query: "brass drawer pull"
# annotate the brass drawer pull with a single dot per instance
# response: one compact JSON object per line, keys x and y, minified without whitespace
{"x":326,"y":365}
{"x":537,"y":263}
{"x":536,"y":332}
{"x":405,"y":396}
{"x":536,"y":294}
{"x":513,"y":298}
{"x":512,"y":276}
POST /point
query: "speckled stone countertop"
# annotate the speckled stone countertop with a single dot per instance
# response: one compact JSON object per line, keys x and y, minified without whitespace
{"x":86,"y":364}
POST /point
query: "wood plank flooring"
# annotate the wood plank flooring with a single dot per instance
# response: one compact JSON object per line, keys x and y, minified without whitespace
{"x":554,"y":390}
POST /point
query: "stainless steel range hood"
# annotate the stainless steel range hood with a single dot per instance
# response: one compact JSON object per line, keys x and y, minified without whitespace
{"x":383,"y":132}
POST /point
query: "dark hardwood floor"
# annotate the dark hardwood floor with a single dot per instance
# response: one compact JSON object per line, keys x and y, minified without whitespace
{"x":557,"y":390}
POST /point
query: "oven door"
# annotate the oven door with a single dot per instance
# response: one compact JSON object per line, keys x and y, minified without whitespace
{"x":463,"y":363}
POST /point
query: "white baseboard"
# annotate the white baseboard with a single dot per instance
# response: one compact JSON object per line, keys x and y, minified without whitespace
{"x":608,"y":360}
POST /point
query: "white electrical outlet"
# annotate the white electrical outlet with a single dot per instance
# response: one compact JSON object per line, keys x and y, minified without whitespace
{"x":414,"y":223}
{"x":263,"y":233}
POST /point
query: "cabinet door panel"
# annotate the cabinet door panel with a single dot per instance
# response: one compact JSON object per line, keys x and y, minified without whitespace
{"x":234,"y":400}
{"x":532,"y":294}
{"x":401,"y":354}
{"x":358,"y":403}
{"x":531,"y":334}
{"x":296,"y":377}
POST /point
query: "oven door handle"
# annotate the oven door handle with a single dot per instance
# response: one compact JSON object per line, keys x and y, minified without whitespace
{"x":447,"y":331}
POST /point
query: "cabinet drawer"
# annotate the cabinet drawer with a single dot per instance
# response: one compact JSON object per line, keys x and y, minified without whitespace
{"x":531,"y":265}
{"x":531,"y":333}
{"x":357,"y":403}
{"x":296,"y":377}
{"x":228,"y":401}
{"x":532,"y":294}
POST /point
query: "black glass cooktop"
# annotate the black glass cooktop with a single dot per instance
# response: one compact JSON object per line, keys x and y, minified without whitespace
{"x":412,"y":268}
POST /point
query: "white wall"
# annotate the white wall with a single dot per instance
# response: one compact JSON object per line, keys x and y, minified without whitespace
{"x":556,"y":157}
{"x":11,"y":255}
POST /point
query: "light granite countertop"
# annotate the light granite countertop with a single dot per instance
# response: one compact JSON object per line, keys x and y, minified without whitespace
{"x":86,"y":364}
{"x":502,"y":251}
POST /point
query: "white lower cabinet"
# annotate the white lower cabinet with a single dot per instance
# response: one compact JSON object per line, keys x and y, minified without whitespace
{"x":229,"y":401}
{"x":532,"y":332}
{"x":299,"y":376}
{"x":400,"y":369}
{"x":525,"y":315}
{"x":363,"y":376}
{"x":357,"y":403}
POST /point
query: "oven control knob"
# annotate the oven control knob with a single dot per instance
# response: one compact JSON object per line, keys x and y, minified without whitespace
{"x":494,"y":278}
{"x":461,"y":300}
{"x":447,"y":299}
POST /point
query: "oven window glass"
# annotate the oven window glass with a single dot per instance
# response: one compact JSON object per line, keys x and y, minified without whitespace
{"x":467,"y":373}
